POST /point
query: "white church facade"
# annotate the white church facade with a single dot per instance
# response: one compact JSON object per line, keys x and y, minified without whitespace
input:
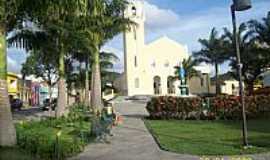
{"x":148,"y":68}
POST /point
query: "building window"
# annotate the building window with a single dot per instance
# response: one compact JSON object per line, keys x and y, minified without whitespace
{"x":153,"y":64}
{"x":137,"y":83}
{"x":134,"y":32}
{"x":167,"y":64}
{"x":134,"y":11}
{"x":135,"y":61}
{"x":233,"y":87}
{"x":202,"y":82}
{"x":170,"y":85}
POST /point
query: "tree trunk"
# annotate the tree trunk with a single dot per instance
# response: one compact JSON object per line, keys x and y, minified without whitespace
{"x":96,"y":97}
{"x":7,"y":129}
{"x":68,"y":97}
{"x":61,"y":101}
{"x":217,"y":79}
{"x":50,"y":100}
{"x":87,"y":97}
{"x":81,"y":95}
{"x":23,"y":88}
{"x":250,"y":87}
{"x":208,"y":83}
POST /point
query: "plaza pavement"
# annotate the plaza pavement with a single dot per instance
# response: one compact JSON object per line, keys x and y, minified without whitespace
{"x":132,"y":141}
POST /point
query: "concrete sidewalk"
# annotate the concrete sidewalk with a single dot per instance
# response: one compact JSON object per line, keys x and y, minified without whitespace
{"x":131,"y":140}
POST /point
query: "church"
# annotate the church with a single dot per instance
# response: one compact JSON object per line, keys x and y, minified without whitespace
{"x":148,"y":68}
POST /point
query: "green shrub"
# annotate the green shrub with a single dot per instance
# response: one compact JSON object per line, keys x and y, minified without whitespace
{"x":7,"y":153}
{"x":41,"y":140}
{"x":174,"y":108}
{"x":229,"y":107}
{"x":221,"y":107}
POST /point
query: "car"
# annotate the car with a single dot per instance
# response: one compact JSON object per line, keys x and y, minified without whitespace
{"x":46,"y":104}
{"x":16,"y":104}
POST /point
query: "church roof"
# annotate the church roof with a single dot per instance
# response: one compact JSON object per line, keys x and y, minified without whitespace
{"x":166,"y":40}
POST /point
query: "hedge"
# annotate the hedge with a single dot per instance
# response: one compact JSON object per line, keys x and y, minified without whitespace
{"x":41,"y":140}
{"x":221,"y":107}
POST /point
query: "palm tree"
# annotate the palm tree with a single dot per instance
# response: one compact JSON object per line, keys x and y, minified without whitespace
{"x":80,"y":79}
{"x":102,"y":20}
{"x":254,"y":57}
{"x":8,"y":19}
{"x":188,"y":65}
{"x":56,"y":20}
{"x":213,"y":52}
{"x":107,"y":61}
{"x":261,"y":29}
{"x":43,"y":64}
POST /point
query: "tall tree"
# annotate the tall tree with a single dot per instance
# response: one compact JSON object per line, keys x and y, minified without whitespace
{"x":107,"y":61}
{"x":188,"y":65}
{"x":213,"y":52}
{"x":261,"y":29}
{"x":82,"y":53}
{"x":261,"y":32}
{"x":102,"y":20}
{"x":8,"y":19}
{"x":255,"y":58}
{"x":77,"y":75}
{"x":57,"y":18}
{"x":42,"y":64}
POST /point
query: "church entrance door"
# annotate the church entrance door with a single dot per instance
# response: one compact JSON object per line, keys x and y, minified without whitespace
{"x":170,"y":85}
{"x":157,"y":85}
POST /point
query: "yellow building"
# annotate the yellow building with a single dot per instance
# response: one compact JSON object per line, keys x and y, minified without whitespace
{"x":13,"y":84}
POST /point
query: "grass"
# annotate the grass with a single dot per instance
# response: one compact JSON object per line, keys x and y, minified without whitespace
{"x":210,"y":137}
{"x":14,"y":154}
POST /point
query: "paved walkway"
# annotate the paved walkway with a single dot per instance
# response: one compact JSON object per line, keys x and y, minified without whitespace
{"x":132,"y":141}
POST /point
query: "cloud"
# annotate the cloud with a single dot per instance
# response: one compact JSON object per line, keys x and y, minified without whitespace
{"x":188,"y":27}
{"x":157,"y":18}
{"x":12,"y":65}
{"x":15,"y":59}
{"x":182,"y":26}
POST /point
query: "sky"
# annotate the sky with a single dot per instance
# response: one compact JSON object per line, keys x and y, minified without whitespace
{"x":184,"y":21}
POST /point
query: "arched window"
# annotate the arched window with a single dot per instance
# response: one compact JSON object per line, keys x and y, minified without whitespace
{"x":170,"y":85}
{"x":157,"y":85}
{"x":134,"y":11}
{"x":137,"y":83}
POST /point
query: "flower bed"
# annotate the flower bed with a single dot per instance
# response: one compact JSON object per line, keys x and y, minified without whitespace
{"x":221,"y":107}
{"x":174,"y":108}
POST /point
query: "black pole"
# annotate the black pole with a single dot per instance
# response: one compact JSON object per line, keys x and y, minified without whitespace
{"x":239,"y":70}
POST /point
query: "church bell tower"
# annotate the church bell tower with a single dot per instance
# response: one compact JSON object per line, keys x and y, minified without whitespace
{"x":133,"y":47}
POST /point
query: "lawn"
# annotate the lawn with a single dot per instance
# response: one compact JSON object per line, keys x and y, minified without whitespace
{"x":210,"y":137}
{"x":14,"y":154}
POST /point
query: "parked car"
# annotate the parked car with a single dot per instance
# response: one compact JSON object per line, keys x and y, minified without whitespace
{"x":16,"y":104}
{"x":46,"y":104}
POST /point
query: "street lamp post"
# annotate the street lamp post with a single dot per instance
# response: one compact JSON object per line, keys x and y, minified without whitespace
{"x":240,"y":5}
